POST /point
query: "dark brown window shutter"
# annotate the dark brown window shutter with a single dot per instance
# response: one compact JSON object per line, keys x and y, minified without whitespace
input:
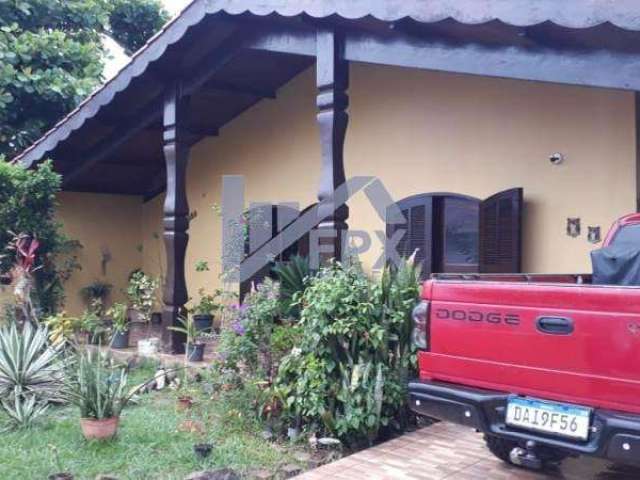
{"x":259,"y":234}
{"x":501,"y":232}
{"x":417,"y":211}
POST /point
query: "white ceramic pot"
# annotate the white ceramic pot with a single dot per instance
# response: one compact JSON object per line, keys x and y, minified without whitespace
{"x":148,"y":347}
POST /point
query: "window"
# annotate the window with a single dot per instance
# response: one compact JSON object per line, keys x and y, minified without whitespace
{"x":264,"y":222}
{"x":453,"y":233}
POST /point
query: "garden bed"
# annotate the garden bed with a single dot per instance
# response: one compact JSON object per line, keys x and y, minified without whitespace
{"x":150,"y":443}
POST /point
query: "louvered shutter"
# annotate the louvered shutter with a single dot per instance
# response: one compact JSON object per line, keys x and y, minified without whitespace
{"x":260,"y":232}
{"x":417,"y":211}
{"x":501,"y":232}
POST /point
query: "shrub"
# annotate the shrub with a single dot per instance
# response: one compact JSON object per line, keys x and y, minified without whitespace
{"x":349,"y":374}
{"x":142,"y":294}
{"x":246,"y":344}
{"x":27,"y":206}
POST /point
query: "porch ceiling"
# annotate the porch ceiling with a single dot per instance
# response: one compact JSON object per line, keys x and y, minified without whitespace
{"x":229,"y":55}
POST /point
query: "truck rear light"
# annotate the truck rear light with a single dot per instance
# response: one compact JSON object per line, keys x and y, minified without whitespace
{"x":420,"y":332}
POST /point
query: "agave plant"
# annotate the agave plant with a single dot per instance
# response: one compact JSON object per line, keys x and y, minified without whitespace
{"x":97,"y":388}
{"x":29,"y":366}
{"x":292,"y":276}
{"x":23,"y":411}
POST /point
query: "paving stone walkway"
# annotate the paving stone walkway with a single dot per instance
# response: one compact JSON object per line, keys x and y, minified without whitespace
{"x":447,"y":451}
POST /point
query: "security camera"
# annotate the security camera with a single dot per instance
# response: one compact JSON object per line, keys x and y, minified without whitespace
{"x":556,"y":158}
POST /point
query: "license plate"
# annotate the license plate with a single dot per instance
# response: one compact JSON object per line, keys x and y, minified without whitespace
{"x":555,"y":418}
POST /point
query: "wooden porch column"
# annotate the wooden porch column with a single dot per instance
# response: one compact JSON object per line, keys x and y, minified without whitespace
{"x":333,"y":119}
{"x":176,"y":214}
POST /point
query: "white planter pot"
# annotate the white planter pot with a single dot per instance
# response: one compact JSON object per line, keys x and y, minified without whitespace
{"x":293,"y":433}
{"x":148,"y":347}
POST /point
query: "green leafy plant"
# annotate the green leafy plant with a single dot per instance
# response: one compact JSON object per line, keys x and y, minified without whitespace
{"x":63,"y":328}
{"x":188,"y":329}
{"x":96,"y":290}
{"x":52,"y":57}
{"x":209,"y":303}
{"x":293,"y":277}
{"x":118,"y":314}
{"x":28,"y":363}
{"x":27,"y":207}
{"x":31,"y":374}
{"x":147,"y":15}
{"x":97,"y":387}
{"x":142,"y":294}
{"x":92,"y":324}
{"x":202,"y":266}
{"x":23,"y":411}
{"x":348,"y":374}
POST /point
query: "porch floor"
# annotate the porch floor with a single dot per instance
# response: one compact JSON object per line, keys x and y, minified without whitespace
{"x":447,"y":451}
{"x":139,"y":332}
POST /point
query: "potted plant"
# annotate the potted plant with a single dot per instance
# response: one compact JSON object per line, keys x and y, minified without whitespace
{"x":63,"y":329}
{"x":93,"y":326}
{"x":194,"y":349}
{"x":204,"y":311}
{"x":142,"y":294}
{"x":96,"y":290}
{"x":99,"y":391}
{"x":120,"y":326}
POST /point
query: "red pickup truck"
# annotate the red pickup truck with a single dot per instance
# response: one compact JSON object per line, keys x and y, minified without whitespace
{"x":546,"y":366}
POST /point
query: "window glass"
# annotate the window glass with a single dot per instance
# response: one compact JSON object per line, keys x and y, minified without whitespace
{"x":461,"y":231}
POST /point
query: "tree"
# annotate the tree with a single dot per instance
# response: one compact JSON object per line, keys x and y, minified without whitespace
{"x":51,"y":57}
{"x":27,"y":209}
{"x":145,"y":15}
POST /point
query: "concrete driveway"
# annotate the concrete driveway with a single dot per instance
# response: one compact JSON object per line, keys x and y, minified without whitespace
{"x":447,"y":451}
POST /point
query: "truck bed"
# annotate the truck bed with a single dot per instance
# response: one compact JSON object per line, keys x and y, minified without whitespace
{"x":485,"y":332}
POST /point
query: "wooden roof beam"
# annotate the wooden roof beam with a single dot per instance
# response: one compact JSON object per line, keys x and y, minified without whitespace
{"x":216,"y":87}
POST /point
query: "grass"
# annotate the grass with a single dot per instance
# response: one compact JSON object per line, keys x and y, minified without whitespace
{"x":148,"y":444}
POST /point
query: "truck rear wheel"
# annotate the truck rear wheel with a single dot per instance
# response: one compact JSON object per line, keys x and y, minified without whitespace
{"x":502,"y":448}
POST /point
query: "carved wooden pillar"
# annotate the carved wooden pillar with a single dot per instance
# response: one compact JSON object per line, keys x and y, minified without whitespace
{"x":176,"y":214}
{"x":333,"y":119}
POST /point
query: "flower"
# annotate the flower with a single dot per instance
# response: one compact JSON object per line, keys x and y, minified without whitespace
{"x":296,"y":352}
{"x":238,"y":328}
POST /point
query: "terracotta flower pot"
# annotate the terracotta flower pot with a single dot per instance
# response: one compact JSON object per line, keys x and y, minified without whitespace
{"x":60,"y":476}
{"x":185,"y":403}
{"x":93,"y":429}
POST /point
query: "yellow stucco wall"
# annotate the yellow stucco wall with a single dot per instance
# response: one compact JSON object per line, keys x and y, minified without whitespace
{"x":102,"y":223}
{"x":418,"y":132}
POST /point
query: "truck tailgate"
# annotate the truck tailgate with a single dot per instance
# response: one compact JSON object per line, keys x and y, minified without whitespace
{"x":573,"y":343}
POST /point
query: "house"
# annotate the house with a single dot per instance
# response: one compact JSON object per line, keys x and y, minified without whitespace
{"x":445,"y":102}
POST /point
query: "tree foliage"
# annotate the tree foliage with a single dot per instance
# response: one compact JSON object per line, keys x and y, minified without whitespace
{"x":27,"y":206}
{"x":51,"y":57}
{"x":146,"y":15}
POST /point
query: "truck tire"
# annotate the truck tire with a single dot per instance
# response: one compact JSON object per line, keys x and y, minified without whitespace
{"x":501,"y":448}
